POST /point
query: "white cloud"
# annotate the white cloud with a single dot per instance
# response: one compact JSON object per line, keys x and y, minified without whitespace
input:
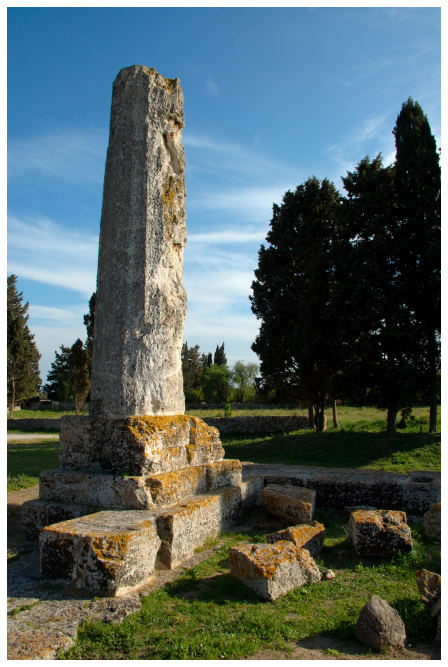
{"x":41,"y":250}
{"x":71,"y":155}
{"x":248,"y":203}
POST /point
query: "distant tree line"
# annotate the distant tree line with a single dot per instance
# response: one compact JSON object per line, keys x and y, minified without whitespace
{"x":208,"y":378}
{"x":347,"y":288}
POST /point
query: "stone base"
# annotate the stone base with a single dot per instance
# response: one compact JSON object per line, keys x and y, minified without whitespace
{"x":185,"y":527}
{"x":36,"y":514}
{"x":138,"y":445}
{"x":291,"y":503}
{"x":272,"y":570}
{"x":107,"y":553}
{"x":105,"y":490}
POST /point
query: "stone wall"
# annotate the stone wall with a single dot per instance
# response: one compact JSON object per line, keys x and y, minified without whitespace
{"x":257,"y":424}
{"x":34,"y":425}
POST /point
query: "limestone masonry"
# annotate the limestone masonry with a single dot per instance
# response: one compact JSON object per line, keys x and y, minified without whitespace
{"x":141,"y":485}
{"x":141,"y":303}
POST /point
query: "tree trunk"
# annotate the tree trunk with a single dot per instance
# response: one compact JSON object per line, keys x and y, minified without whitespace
{"x":391,"y":420}
{"x":433,"y":385}
{"x":335,"y":415}
{"x":319,"y":416}
{"x":12,"y":399}
{"x":310,"y":415}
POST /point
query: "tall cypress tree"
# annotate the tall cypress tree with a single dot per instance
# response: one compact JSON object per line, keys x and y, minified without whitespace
{"x":417,"y":183}
{"x":381,"y":369}
{"x":79,"y":375}
{"x":22,"y":354}
{"x":294,"y":296}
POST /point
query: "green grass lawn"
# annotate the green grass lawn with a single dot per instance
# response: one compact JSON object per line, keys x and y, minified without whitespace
{"x":26,"y":460}
{"x":402,"y":452}
{"x":208,"y":615}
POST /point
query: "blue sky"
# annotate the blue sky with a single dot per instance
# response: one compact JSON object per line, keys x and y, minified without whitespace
{"x":272,"y":96}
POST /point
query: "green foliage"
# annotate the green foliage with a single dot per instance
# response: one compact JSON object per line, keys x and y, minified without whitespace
{"x":295,"y":296}
{"x":22,"y":354}
{"x":192,"y":367}
{"x":243,"y":376}
{"x":215,"y":382}
{"x":220,"y":358}
{"x":208,"y":615}
{"x":417,"y":184}
{"x":89,"y":323}
{"x":79,"y":373}
{"x":58,"y":378}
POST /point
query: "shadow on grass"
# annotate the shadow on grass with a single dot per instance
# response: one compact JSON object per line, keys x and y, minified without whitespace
{"x":32,"y":457}
{"x":338,"y":449}
{"x":219,"y":588}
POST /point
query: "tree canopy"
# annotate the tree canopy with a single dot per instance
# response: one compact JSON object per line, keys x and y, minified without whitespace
{"x":22,"y":354}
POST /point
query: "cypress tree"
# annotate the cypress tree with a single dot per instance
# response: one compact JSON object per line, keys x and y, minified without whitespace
{"x":22,"y":354}
{"x":417,"y":183}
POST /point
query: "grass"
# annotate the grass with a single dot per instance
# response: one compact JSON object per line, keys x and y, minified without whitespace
{"x":403,"y":452}
{"x":26,"y":460}
{"x":44,"y":414}
{"x":208,"y":615}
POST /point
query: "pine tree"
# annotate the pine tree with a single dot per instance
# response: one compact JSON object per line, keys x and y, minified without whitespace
{"x":22,"y":354}
{"x":79,"y":374}
{"x":58,"y":378}
{"x":417,"y":183}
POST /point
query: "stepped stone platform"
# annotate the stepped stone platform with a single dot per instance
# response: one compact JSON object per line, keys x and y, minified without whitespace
{"x":87,"y":511}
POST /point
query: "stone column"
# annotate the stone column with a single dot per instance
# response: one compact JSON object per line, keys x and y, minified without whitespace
{"x":141,"y":303}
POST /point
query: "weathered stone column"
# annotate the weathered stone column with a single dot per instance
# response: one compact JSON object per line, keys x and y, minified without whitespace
{"x":141,"y":303}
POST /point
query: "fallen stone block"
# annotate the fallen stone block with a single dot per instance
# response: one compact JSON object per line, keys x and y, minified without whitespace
{"x":307,"y":535}
{"x":107,"y":553}
{"x":380,"y":625}
{"x":185,"y":526}
{"x":379,"y":532}
{"x":429,"y":585}
{"x":272,"y":570}
{"x":432,"y":521}
{"x":293,"y":503}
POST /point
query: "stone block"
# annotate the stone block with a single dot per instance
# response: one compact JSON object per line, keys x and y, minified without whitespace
{"x":308,"y":536}
{"x":39,"y":513}
{"x":138,"y":445}
{"x":420,"y":491}
{"x":107,"y":553}
{"x":184,"y":527}
{"x":172,"y":487}
{"x":97,"y":489}
{"x":432,"y":521}
{"x":429,"y":585}
{"x":292,"y":503}
{"x":251,"y":491}
{"x":272,"y":570}
{"x":379,"y":532}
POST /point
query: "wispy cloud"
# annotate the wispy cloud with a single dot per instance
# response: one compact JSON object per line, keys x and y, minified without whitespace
{"x":70,"y":155}
{"x":42,"y":250}
{"x":252,"y":204}
{"x":212,"y":88}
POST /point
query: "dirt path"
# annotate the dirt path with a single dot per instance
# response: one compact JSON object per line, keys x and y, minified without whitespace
{"x":14,"y":438}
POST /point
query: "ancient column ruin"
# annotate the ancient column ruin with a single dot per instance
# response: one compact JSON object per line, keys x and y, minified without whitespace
{"x":141,"y":303}
{"x":137,"y":450}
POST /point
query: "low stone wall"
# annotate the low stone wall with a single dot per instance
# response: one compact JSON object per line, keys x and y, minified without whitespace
{"x":413,"y":493}
{"x":33,"y":425}
{"x":257,"y":424}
